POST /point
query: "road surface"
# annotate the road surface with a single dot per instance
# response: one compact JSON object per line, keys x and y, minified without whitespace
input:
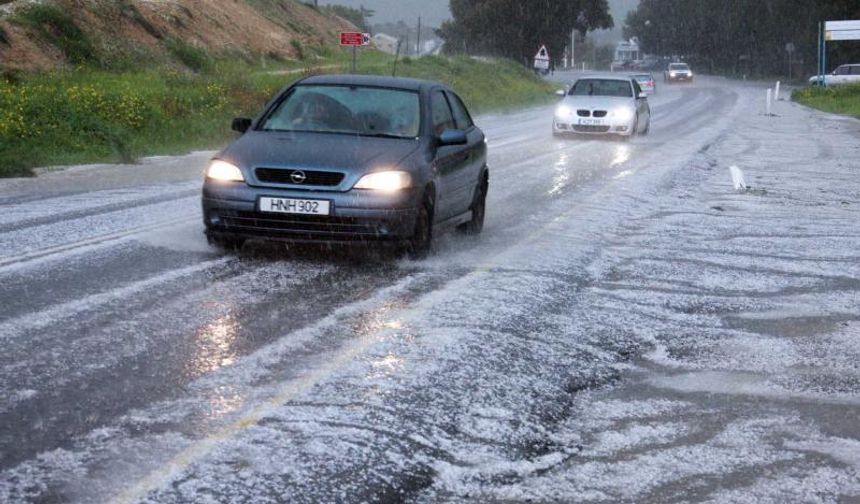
{"x":627,"y":328}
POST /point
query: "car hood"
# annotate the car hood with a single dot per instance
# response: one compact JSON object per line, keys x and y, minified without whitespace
{"x":316,"y":150}
{"x":597,"y":102}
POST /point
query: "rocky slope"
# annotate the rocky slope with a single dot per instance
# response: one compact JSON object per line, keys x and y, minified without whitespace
{"x":46,"y":34}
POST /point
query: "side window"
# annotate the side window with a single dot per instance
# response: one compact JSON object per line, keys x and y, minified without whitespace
{"x":843,"y":70}
{"x":855,"y":70}
{"x":461,"y":115}
{"x":442,"y":118}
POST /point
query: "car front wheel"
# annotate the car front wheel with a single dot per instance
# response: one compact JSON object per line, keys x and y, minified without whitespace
{"x":422,"y":237}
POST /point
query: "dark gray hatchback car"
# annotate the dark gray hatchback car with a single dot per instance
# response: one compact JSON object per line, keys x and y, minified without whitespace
{"x":350,"y":159}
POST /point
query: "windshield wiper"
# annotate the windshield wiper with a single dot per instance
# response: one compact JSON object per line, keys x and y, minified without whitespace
{"x":383,"y":135}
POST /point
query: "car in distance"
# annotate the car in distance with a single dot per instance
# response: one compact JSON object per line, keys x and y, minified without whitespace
{"x":844,"y":74}
{"x":603,"y":105}
{"x":678,"y":72}
{"x":350,"y":159}
{"x":646,"y":82}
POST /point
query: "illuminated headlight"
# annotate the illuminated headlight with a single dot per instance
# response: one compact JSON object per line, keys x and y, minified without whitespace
{"x":623,"y":114}
{"x":673,"y":74}
{"x":387,"y":181}
{"x":563,"y":111}
{"x":222,"y":170}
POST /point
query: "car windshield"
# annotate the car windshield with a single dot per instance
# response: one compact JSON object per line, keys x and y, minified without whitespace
{"x":602,"y":87}
{"x":678,"y":66}
{"x":358,"y":110}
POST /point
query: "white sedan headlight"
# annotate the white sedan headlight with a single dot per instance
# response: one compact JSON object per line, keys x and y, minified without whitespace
{"x":563,"y":111}
{"x":224,"y":171}
{"x":623,"y":114}
{"x":386,"y":181}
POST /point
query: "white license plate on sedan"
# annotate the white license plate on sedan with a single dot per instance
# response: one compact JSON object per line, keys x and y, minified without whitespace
{"x":295,"y":206}
{"x":591,"y":122}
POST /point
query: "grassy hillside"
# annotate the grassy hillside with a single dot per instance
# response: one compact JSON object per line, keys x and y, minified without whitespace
{"x":92,"y":115}
{"x":836,"y":99}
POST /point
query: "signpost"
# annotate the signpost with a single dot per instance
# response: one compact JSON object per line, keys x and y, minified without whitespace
{"x":354,"y":39}
{"x":541,"y":64}
{"x":832,"y":31}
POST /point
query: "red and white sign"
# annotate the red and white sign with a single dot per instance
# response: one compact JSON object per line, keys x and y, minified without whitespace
{"x":542,"y":59}
{"x":354,"y":39}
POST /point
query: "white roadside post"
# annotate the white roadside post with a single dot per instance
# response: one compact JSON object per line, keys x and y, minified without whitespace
{"x":776,"y":93}
{"x":738,"y":179}
{"x":769,"y":98}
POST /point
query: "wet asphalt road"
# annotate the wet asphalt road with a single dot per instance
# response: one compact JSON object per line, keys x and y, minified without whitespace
{"x":114,"y":306}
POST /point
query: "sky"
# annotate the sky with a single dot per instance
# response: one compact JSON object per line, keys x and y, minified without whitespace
{"x":433,"y":12}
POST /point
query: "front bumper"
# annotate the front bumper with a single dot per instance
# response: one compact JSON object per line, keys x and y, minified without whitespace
{"x":230,"y":210}
{"x":609,"y":126}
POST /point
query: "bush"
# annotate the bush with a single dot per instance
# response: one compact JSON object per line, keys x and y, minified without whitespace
{"x":58,"y":28}
{"x":298,"y":49}
{"x":194,"y":58}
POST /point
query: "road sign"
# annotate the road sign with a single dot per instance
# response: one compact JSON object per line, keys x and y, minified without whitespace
{"x":542,"y":59}
{"x":354,"y":39}
{"x":841,"y":30}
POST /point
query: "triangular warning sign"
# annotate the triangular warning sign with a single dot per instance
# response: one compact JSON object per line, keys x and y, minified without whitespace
{"x":542,"y":53}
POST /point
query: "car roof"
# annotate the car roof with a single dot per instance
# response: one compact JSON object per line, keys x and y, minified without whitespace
{"x":606,"y":76}
{"x":374,"y":80}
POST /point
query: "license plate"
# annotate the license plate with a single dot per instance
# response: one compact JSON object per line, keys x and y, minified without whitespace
{"x":295,"y":206}
{"x":590,"y":122}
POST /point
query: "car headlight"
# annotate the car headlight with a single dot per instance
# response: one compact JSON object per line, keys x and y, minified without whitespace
{"x":224,"y":171}
{"x":563,"y":111}
{"x":386,"y":181}
{"x":623,"y":114}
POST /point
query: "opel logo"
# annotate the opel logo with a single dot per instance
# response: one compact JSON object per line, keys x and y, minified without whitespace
{"x":298,"y":177}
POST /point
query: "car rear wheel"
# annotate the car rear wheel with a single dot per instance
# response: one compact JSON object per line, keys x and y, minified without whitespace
{"x":479,"y":209}
{"x":422,"y":238}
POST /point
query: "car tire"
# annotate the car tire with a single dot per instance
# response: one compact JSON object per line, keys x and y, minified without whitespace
{"x":478,"y":208}
{"x":226,"y":244}
{"x":422,"y":238}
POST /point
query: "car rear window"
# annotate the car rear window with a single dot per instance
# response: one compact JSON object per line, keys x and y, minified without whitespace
{"x":601,"y":87}
{"x":369,"y":111}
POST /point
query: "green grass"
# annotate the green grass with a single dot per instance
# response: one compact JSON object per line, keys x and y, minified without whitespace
{"x":91,"y":115}
{"x":844,"y":99}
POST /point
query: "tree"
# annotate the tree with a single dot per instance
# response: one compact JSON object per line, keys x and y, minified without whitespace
{"x":740,"y":36}
{"x":359,"y":17}
{"x":516,"y":29}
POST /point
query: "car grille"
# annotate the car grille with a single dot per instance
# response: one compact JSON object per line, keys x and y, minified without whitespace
{"x":304,"y":227}
{"x":312,"y":178}
{"x":599,"y":113}
{"x":590,"y":129}
{"x":583,"y":113}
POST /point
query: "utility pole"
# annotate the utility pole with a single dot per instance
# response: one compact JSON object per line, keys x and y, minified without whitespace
{"x":573,"y":48}
{"x":418,"y":42}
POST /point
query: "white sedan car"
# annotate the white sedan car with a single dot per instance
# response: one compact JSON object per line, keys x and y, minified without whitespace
{"x":601,"y":105}
{"x":844,"y":74}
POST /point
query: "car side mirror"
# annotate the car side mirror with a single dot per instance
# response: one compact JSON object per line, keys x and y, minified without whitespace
{"x":643,"y":96}
{"x":241,"y":124}
{"x":453,"y":137}
{"x":561,"y":92}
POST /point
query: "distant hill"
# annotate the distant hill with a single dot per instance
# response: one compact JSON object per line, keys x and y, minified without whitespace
{"x":45,"y":34}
